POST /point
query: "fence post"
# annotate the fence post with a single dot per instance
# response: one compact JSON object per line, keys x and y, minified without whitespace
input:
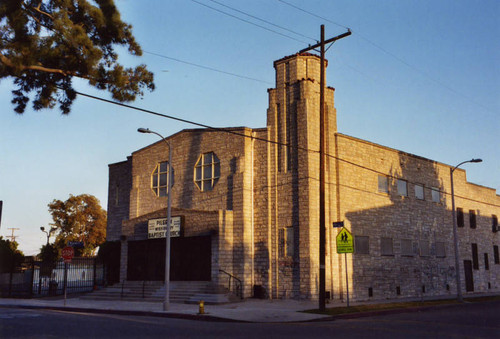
{"x":95,"y":273}
{"x":32,"y":280}
{"x":10,"y":279}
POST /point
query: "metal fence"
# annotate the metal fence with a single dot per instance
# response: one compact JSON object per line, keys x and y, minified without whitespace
{"x":36,"y":278}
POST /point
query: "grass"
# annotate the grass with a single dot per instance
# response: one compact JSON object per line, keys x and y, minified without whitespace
{"x":395,"y":306}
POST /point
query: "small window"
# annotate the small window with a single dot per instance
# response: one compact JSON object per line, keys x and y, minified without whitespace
{"x":402,"y":188}
{"x":486,"y":262}
{"x":362,"y":244}
{"x":460,"y":217}
{"x":159,"y":179}
{"x":383,"y":184}
{"x":286,"y":242}
{"x":440,"y":250}
{"x":475,"y":259}
{"x":419,"y":192}
{"x":496,"y":254}
{"x":494,"y":223}
{"x":386,"y":247}
{"x":207,"y":171}
{"x":406,"y":248}
{"x":472,"y":218}
{"x":436,"y":194}
{"x":424,"y":248}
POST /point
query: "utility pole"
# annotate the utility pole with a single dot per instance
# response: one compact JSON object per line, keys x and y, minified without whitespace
{"x":322,"y":199}
{"x":12,"y":236}
{"x":1,"y":206}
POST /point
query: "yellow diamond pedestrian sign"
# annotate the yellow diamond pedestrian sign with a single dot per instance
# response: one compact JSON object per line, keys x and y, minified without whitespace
{"x":345,"y":241}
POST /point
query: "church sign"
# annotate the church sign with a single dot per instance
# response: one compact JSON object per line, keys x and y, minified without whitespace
{"x":157,"y":228}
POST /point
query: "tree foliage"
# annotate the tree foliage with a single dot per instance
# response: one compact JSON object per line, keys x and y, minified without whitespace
{"x":45,"y":43}
{"x":80,"y":218}
{"x":10,"y":256}
{"x":49,"y":255}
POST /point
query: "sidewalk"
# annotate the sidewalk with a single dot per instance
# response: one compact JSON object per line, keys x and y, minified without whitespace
{"x":250,"y":310}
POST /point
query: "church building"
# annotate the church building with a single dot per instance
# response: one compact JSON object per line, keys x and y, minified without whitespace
{"x":245,"y":203}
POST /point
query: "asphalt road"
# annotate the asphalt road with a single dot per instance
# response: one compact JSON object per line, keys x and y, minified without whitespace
{"x":477,"y":320}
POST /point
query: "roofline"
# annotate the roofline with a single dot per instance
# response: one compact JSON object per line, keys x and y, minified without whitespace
{"x":304,"y":54}
{"x":412,"y":155}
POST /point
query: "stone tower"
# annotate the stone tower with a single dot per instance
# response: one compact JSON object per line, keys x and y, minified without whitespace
{"x":293,"y":174}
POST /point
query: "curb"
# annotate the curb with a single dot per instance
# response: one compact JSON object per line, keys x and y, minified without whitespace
{"x":367,"y":314}
{"x":199,"y":317}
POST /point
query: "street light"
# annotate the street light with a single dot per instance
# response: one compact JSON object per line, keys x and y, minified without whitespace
{"x":166,"y":302}
{"x":455,"y":236}
{"x":49,"y":233}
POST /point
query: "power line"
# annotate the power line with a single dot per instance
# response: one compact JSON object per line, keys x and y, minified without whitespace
{"x":265,"y":21}
{"x":230,"y":131}
{"x":208,"y":68}
{"x":315,"y":15}
{"x":414,"y":68}
{"x":248,"y":22}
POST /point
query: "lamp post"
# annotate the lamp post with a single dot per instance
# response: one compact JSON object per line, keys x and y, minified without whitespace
{"x":49,"y":233}
{"x":455,"y":233}
{"x":166,"y":302}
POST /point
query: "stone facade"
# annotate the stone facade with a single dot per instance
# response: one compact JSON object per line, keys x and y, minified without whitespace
{"x":262,"y":214}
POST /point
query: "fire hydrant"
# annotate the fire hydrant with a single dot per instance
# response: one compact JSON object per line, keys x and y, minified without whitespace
{"x":201,"y":307}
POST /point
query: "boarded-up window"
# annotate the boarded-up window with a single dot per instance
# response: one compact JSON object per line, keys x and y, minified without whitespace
{"x":475,"y":259}
{"x":383,"y":184}
{"x":424,"y":248}
{"x":460,"y":217}
{"x":486,"y":262}
{"x":362,"y":244}
{"x":472,"y":218}
{"x":419,"y":192}
{"x":402,"y":188}
{"x":386,"y":247}
{"x":440,"y":250}
{"x":494,"y":223}
{"x":496,"y":254}
{"x":406,"y":247}
{"x":436,"y":194}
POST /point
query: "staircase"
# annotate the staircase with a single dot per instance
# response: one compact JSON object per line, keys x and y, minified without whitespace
{"x":154,"y":291}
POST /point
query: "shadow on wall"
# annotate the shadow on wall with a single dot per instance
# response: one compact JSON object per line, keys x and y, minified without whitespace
{"x":403,"y":248}
{"x":188,"y":186}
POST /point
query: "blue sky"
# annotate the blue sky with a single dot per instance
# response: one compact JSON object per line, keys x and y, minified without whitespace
{"x":419,"y":76}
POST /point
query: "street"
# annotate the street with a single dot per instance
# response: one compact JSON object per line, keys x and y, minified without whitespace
{"x":477,"y":320}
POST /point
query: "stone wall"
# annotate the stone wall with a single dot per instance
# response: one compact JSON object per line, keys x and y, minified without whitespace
{"x":423,"y":225}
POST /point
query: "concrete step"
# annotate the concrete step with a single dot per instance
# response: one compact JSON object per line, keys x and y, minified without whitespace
{"x":154,"y":291}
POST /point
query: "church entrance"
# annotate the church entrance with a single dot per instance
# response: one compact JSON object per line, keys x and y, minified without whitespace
{"x":190,"y":259}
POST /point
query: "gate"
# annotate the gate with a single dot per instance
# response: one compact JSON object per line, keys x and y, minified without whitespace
{"x":190,"y":259}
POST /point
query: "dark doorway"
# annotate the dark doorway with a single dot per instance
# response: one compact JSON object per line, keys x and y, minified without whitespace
{"x":469,"y":281}
{"x":190,"y":259}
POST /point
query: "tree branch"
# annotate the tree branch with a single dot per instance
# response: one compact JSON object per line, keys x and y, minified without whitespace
{"x":37,"y":9}
{"x":6,"y":61}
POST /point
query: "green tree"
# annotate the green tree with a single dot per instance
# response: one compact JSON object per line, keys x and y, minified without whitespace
{"x":49,"y":255}
{"x":80,"y":218}
{"x":10,"y":256}
{"x":45,"y":43}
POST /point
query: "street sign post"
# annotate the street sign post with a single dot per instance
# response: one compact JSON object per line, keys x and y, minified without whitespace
{"x":345,"y":241}
{"x":67,"y":253}
{"x":345,"y":244}
{"x":336,"y":224}
{"x":76,"y":244}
